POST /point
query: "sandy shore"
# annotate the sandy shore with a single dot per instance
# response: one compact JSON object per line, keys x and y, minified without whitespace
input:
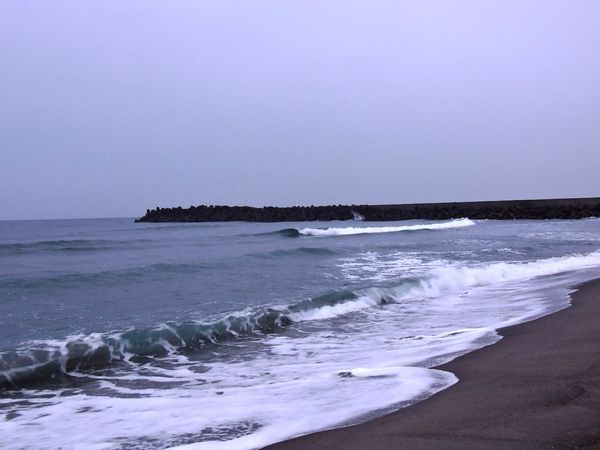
{"x":539,"y":387}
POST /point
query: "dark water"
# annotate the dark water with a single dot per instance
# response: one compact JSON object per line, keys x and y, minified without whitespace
{"x":116,"y":322}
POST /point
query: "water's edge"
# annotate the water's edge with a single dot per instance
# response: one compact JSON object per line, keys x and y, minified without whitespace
{"x":448,"y":366}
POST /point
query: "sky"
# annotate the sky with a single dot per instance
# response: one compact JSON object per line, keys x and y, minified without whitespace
{"x":111,"y":107}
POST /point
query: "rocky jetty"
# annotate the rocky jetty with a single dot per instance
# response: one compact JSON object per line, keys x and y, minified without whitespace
{"x":571,"y":208}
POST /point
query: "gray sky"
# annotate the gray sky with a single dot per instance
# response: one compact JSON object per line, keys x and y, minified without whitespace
{"x":111,"y":107}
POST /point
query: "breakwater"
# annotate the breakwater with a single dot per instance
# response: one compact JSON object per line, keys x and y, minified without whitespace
{"x":569,"y":208}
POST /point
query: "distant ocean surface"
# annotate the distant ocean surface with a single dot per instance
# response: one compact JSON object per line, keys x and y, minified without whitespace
{"x":116,"y":335}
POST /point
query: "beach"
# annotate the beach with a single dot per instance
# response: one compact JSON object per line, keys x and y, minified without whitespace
{"x":538,"y":387}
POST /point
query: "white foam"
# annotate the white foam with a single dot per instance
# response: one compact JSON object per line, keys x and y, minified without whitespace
{"x":388,"y":267}
{"x":445,"y":279}
{"x":330,"y":311}
{"x":458,"y":223}
{"x":266,"y":391}
{"x":454,"y":279}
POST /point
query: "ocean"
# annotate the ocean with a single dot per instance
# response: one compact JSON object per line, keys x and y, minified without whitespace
{"x":117,"y":335}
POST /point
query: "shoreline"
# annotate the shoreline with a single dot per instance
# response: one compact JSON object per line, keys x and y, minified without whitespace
{"x":538,"y":387}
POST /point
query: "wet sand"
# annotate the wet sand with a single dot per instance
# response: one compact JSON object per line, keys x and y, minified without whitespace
{"x":539,"y":387}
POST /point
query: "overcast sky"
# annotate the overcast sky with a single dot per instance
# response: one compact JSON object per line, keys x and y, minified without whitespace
{"x":110,"y":107}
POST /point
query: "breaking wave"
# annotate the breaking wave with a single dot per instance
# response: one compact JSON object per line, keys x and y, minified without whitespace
{"x":344,"y":231}
{"x":41,"y":360}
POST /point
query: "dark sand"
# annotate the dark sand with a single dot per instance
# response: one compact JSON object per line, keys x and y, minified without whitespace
{"x":539,"y":387}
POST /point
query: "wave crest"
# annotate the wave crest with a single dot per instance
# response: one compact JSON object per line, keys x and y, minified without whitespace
{"x":344,"y":231}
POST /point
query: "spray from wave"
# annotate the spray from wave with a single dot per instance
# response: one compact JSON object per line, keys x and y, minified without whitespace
{"x":357,"y":216}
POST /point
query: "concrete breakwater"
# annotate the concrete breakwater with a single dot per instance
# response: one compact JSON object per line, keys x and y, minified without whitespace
{"x":568,"y":208}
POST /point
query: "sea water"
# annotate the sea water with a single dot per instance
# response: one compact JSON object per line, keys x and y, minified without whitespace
{"x":236,"y":335}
